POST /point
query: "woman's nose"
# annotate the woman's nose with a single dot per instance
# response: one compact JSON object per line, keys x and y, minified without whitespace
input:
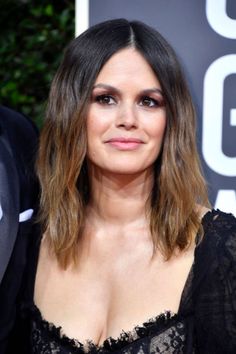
{"x":127,"y":117}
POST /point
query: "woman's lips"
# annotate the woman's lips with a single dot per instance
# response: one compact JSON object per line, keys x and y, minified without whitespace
{"x":125,"y":143}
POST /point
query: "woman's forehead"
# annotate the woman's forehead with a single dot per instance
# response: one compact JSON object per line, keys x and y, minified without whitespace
{"x":127,"y":64}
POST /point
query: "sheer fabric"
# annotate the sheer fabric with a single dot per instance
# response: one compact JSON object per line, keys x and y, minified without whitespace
{"x":163,"y":334}
{"x":205,"y":322}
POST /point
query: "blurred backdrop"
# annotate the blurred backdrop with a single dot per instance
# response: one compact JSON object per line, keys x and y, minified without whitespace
{"x":32,"y":38}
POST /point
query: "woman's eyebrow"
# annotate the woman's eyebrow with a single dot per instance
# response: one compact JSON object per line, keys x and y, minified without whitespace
{"x":152,"y":90}
{"x":106,"y":87}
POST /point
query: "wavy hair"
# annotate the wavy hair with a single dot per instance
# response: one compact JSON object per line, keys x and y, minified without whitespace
{"x":178,"y":186}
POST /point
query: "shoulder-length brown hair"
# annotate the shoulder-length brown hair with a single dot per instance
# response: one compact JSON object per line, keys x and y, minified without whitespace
{"x":179,"y":185}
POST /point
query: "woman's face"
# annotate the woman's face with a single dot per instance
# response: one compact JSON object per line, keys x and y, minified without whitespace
{"x":127,"y":117}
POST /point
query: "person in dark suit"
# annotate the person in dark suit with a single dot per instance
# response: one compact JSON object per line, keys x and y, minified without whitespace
{"x":18,"y":198}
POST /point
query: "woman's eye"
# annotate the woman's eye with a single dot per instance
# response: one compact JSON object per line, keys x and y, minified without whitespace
{"x":105,"y":99}
{"x":149,"y":102}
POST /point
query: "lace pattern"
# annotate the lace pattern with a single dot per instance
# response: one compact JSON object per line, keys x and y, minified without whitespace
{"x":162,"y":334}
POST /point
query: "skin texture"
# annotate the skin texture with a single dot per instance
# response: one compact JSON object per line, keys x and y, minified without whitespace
{"x":116,"y":283}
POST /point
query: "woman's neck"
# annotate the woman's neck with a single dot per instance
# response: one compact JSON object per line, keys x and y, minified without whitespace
{"x":119,"y":199}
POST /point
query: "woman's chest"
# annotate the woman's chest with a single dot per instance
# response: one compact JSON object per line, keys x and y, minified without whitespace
{"x":102,"y":299}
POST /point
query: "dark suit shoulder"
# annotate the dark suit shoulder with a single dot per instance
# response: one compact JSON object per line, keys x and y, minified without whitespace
{"x":21,"y":135}
{"x":12,"y":121}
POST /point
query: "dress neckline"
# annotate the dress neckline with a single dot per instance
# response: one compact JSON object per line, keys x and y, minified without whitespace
{"x":159,"y":322}
{"x":124,"y":337}
{"x":152,"y":325}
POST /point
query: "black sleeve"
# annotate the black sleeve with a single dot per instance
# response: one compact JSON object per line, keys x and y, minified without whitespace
{"x":215,"y":281}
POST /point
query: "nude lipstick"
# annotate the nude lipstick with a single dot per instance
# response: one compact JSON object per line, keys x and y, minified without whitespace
{"x":125,"y":144}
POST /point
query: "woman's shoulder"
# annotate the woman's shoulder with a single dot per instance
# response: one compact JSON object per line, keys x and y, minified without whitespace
{"x":215,"y":253}
{"x":219,"y":235}
{"x":217,"y":217}
{"x":219,"y":228}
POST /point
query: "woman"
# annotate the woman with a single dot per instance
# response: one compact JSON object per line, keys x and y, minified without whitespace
{"x":131,"y":259}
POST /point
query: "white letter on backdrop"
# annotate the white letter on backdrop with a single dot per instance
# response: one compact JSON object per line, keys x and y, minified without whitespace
{"x":213,"y":116}
{"x":219,"y":20}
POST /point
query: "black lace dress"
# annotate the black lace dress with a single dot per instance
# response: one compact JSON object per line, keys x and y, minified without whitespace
{"x":205,"y":322}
